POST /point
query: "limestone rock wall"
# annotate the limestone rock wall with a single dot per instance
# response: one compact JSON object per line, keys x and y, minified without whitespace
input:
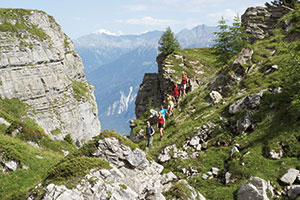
{"x":155,"y":87}
{"x":38,"y":65}
{"x":149,"y":92}
{"x":259,"y":21}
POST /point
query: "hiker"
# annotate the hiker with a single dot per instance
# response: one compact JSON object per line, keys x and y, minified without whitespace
{"x":184,"y":83}
{"x":170,"y":100}
{"x":160,"y":124}
{"x":149,"y":134}
{"x":176,"y":93}
{"x":163,"y":111}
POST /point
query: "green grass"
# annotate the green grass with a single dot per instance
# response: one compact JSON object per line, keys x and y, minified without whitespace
{"x":16,"y":184}
{"x":179,"y":191}
{"x":80,"y":90}
{"x":18,"y":15}
{"x":72,"y":169}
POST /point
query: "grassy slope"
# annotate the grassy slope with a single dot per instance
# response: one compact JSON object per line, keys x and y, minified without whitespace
{"x":16,"y":184}
{"x":276,"y":128}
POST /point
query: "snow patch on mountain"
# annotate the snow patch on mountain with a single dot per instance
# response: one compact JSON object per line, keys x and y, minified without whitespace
{"x":107,"y":32}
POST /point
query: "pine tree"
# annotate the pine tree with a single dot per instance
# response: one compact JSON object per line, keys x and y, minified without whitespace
{"x":277,"y":3}
{"x":237,"y":35}
{"x":168,"y":43}
{"x":222,"y":43}
{"x":230,"y":40}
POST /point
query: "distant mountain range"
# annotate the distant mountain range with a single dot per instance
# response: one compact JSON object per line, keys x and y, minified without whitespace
{"x":115,"y":65}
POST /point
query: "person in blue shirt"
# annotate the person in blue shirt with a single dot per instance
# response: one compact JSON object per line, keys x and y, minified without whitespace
{"x":163,"y":111}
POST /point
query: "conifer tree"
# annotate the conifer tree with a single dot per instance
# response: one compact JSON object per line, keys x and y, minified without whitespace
{"x":230,"y":39}
{"x":277,"y":3}
{"x":237,"y":35}
{"x":168,"y":43}
{"x":222,"y":43}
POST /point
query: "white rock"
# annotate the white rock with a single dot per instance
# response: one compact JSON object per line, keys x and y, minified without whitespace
{"x":11,"y":165}
{"x":194,"y":141}
{"x":276,"y":156}
{"x":3,"y":121}
{"x":215,"y":171}
{"x":255,"y":190}
{"x":204,"y":177}
{"x":289,"y":177}
{"x":215,"y":96}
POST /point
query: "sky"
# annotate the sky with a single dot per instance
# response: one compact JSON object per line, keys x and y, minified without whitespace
{"x":82,"y":17}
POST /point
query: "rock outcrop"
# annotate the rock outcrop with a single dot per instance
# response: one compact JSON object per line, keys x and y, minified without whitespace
{"x":131,"y":177}
{"x":257,"y":189}
{"x":39,"y":66}
{"x":155,"y":87}
{"x":149,"y":93}
{"x":260,"y":21}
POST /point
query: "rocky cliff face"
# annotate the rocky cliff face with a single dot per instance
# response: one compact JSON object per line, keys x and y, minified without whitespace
{"x":260,"y":21}
{"x":38,"y":65}
{"x":156,"y":86}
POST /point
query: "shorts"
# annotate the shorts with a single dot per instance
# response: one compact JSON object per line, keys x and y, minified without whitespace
{"x":183,"y":86}
{"x":160,"y":125}
{"x":171,"y":105}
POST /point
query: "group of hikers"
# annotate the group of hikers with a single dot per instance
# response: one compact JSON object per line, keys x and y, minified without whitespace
{"x":162,"y":113}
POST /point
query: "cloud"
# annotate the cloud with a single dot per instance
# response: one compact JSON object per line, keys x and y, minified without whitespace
{"x":228,"y":14}
{"x":187,"y":6}
{"x":148,"y":21}
{"x":136,"y":7}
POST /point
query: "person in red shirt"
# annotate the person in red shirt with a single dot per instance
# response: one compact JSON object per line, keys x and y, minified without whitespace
{"x":176,"y":93}
{"x":184,"y":83}
{"x":160,"y":124}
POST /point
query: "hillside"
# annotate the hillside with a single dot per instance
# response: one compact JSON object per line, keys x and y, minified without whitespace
{"x":234,"y":136}
{"x":240,"y":121}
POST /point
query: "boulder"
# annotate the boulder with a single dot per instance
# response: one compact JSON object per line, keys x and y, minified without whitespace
{"x":11,"y":165}
{"x":244,"y":124}
{"x":294,"y":192}
{"x":289,"y":177}
{"x":256,"y":189}
{"x":113,"y":151}
{"x":194,"y":141}
{"x":252,"y":101}
{"x":215,"y":96}
{"x":215,"y":171}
